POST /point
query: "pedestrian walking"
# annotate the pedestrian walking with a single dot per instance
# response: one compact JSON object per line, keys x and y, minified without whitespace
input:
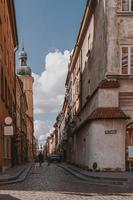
{"x":40,"y":158}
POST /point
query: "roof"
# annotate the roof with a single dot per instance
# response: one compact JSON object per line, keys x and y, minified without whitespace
{"x":108,"y":113}
{"x":102,"y":113}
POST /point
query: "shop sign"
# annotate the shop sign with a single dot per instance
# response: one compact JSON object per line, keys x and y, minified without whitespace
{"x":8,"y":130}
{"x":110,"y":132}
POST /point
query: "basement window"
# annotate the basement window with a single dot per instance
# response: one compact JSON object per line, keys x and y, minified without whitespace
{"x":127,"y":5}
{"x":127,"y":60}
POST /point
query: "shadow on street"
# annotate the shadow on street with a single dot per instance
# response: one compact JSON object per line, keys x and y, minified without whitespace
{"x":7,"y":197}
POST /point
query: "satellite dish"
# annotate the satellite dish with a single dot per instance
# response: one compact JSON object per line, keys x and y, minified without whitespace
{"x":8,"y":120}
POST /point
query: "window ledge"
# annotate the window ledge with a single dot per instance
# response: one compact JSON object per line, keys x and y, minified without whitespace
{"x":125,"y":13}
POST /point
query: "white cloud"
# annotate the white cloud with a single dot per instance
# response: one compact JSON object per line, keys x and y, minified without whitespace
{"x":49,"y":89}
{"x":40,"y":130}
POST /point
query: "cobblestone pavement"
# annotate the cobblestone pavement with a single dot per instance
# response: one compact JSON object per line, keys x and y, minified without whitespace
{"x":53,"y":183}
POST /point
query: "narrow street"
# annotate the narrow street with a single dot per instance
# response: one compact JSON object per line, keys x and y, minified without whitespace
{"x":52,"y":182}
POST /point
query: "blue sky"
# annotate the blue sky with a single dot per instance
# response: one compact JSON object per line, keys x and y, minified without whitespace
{"x":48,"y":29}
{"x":45,"y":25}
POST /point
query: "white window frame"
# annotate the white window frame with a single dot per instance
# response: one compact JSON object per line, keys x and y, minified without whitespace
{"x":129,"y":10}
{"x":129,"y":59}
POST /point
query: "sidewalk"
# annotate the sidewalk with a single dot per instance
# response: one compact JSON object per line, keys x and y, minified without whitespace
{"x":109,"y":178}
{"x":15,"y":174}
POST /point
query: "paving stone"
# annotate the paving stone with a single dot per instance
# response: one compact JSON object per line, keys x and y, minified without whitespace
{"x":53,"y":183}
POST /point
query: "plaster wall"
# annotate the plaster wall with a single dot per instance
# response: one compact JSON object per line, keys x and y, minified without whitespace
{"x":113,"y":61}
{"x":119,"y":32}
{"x":88,"y":42}
{"x":28,"y":88}
{"x":7,"y":78}
{"x":94,"y":64}
{"x":105,"y":148}
{"x":126,"y":85}
{"x":80,"y":147}
{"x":89,"y":108}
{"x":126,"y":98}
{"x":108,"y":98}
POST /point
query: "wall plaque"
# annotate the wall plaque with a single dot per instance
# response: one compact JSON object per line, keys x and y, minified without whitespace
{"x":8,"y":130}
{"x":110,"y":131}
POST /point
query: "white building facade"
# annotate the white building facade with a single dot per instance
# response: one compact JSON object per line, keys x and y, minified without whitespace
{"x":101,"y":68}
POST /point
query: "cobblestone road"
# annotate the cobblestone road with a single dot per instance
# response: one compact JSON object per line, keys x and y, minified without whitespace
{"x":53,"y":183}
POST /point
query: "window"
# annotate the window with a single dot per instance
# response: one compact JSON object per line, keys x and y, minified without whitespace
{"x":127,"y":60}
{"x":127,"y":5}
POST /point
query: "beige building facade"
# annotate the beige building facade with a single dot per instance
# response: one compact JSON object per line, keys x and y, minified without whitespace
{"x":99,"y":88}
{"x":8,"y":45}
{"x":21,"y":123}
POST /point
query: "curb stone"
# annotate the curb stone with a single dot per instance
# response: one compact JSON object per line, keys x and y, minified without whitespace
{"x":97,"y":181}
{"x":21,"y":176}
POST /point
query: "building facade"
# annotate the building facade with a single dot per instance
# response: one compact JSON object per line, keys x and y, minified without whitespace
{"x":24,"y":73}
{"x":21,"y":123}
{"x":99,"y":120}
{"x":8,"y":45}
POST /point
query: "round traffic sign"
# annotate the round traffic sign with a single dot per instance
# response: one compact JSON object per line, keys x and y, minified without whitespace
{"x":8,"y":120}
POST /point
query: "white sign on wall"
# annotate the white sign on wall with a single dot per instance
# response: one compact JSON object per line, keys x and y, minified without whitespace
{"x":130,"y":151}
{"x":8,"y":130}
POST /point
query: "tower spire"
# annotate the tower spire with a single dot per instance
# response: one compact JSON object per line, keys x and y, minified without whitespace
{"x":23,"y":57}
{"x":23,"y":68}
